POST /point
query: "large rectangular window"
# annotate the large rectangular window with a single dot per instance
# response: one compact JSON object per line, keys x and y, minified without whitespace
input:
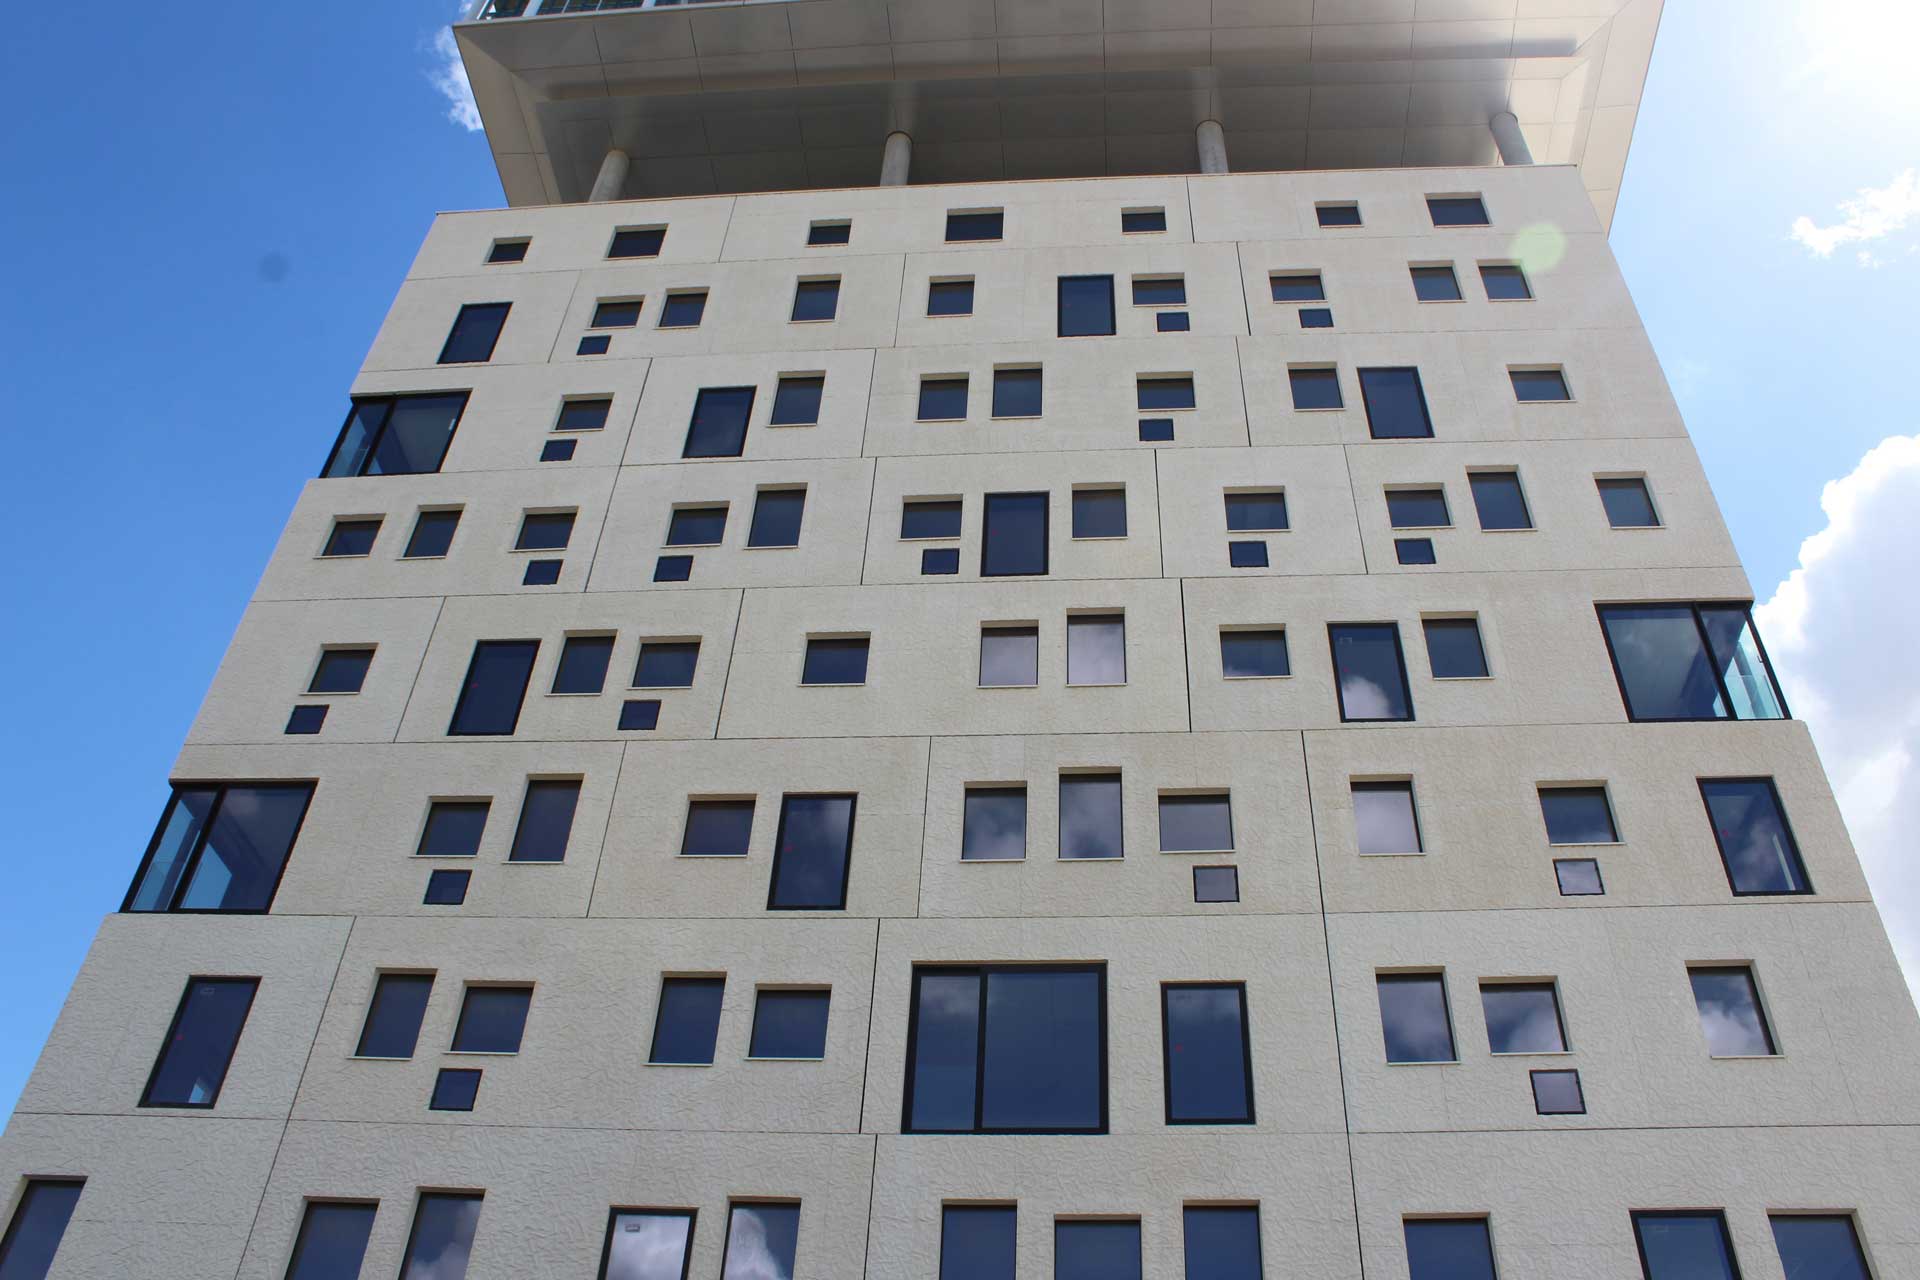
{"x":1448,"y":1249}
{"x":442,"y":1237}
{"x":1086,"y":306}
{"x":1687,"y":1245}
{"x":648,"y":1244}
{"x":199,"y":1046}
{"x":1207,"y":1057}
{"x":495,"y":686}
{"x":1396,"y":404}
{"x":1090,"y":816}
{"x":811,"y":854}
{"x":1222,"y":1242}
{"x":1756,"y":844}
{"x":1370,"y":672}
{"x":392,"y":1028}
{"x":1007,"y":1049}
{"x":978,"y":1241}
{"x":331,"y":1245}
{"x":220,"y":847}
{"x":33,"y":1237}
{"x":475,"y":332}
{"x":395,"y":435}
{"x":1013,"y":540}
{"x":718,"y":428}
{"x":1690,"y":662}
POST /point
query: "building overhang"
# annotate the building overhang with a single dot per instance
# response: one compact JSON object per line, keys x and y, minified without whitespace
{"x":764,"y":95}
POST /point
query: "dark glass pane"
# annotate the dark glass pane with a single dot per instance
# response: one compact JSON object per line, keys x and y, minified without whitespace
{"x":829,"y":233}
{"x":696,"y":526}
{"x":1247,"y":555}
{"x":306,"y":720}
{"x":1755,"y":842}
{"x":32,"y":1239}
{"x":1172,"y":322}
{"x":719,"y":425}
{"x":583,"y":664}
{"x":1577,"y":815}
{"x":1216,"y":884}
{"x":1663,"y":666}
{"x":1449,"y":1249}
{"x":1418,"y":508}
{"x":492,"y":1019}
{"x":643,"y":243}
{"x":416,"y":436}
{"x":666,"y":664}
{"x":1457,"y":211}
{"x":1256,"y":512}
{"x":1413,"y":1017}
{"x":835,"y":662}
{"x":1339,"y":215}
{"x":1090,"y":818}
{"x":432,"y":534}
{"x":943,"y":399}
{"x":1014,"y":539}
{"x":993,"y":825}
{"x":594,"y":344}
{"x":1196,"y":824}
{"x":796,"y":401}
{"x":508,"y":251}
{"x":1097,"y":650}
{"x":1743,"y":667}
{"x":816,"y":300}
{"x":1016,"y":393}
{"x":642,"y":713}
{"x":1160,"y":293}
{"x":1042,"y":1067}
{"x":546,"y":820}
{"x":1096,"y":1251}
{"x":761,"y":1242}
{"x":453,"y":829}
{"x":583,"y":415}
{"x":1222,"y":1243}
{"x":717,"y":828}
{"x":1086,"y":306}
{"x":974,"y":226}
{"x":1156,"y":430}
{"x":945,"y":1044}
{"x":1099,"y":513}
{"x":246,"y":848}
{"x":399,"y":1003}
{"x":1730,"y":1013}
{"x":1137,"y":220}
{"x":1453,"y":648}
{"x":340,"y":671}
{"x":1522,"y":1017}
{"x":1370,"y":677}
{"x":776,"y":518}
{"x":683,"y":310}
{"x":930,"y":519}
{"x":1685,"y":1246}
{"x":333,"y":1237}
{"x":557,"y":451}
{"x":446,"y":888}
{"x":1305,"y":287}
{"x":352,"y":538}
{"x":1163,"y":393}
{"x":495,"y":686}
{"x":1628,"y":504}
{"x":977,"y":1242}
{"x":647,"y":1245}
{"x":545,"y":531}
{"x":199,"y":1047}
{"x":950,"y":298}
{"x":1505,"y":283}
{"x":1316,"y":318}
{"x":673,"y":568}
{"x":1254,"y":653}
{"x":1532,"y":385}
{"x":1578,"y":877}
{"x":1208,"y":1080}
{"x":454,"y":1089}
{"x":688,"y":1022}
{"x":173,"y":844}
{"x":1316,"y":388}
{"x":442,"y":1238}
{"x":1557,"y":1093}
{"x":811,"y":853}
{"x":940,"y":560}
{"x":1396,"y":404}
{"x":541,"y":573}
{"x":1435,"y":284}
{"x":1499,"y":501}
{"x":790,"y":1024}
{"x":475,"y":331}
{"x":1384,"y":819}
{"x":1009,"y":656}
{"x":1818,"y":1248}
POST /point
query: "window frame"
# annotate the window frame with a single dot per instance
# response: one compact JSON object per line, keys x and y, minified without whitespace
{"x":1339,"y":691}
{"x":184,"y":881}
{"x":504,"y":308}
{"x":1166,"y":1051}
{"x":466,"y":687}
{"x":389,"y":403}
{"x":1601,"y":609}
{"x":1060,"y":307}
{"x":846,"y":858}
{"x":1045,"y":506}
{"x":1786,"y":828}
{"x":413,"y":1230}
{"x":616,"y":1212}
{"x":1636,"y":1216}
{"x":173,"y":1030}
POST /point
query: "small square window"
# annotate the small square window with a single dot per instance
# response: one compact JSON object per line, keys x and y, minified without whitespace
{"x":1338,"y":215}
{"x":796,"y":400}
{"x":943,"y":399}
{"x":453,"y":829}
{"x":1156,"y":430}
{"x":583,"y":664}
{"x":340,"y":671}
{"x":351,"y":538}
{"x":1730,"y":1014}
{"x":1523,"y":1017}
{"x":1299,"y":286}
{"x":1499,"y":500}
{"x":1457,"y":211}
{"x":1097,"y":649}
{"x":1316,"y":388}
{"x":939,"y":561}
{"x":666,"y":664}
{"x":557,"y":451}
{"x":826,"y":233}
{"x":984,"y":224}
{"x":1141,"y":221}
{"x":1247,"y":555}
{"x":1196,"y":824}
{"x":761,"y":1238}
{"x":306,"y":720}
{"x":1557,"y":1093}
{"x":1216,"y":884}
{"x":492,"y":1019}
{"x":1414,"y":551}
{"x":640,"y":713}
{"x":1424,"y":508}
{"x":1454,"y":651}
{"x":835,"y":660}
{"x":616,"y":313}
{"x":683,"y":310}
{"x":776,"y":518}
{"x":594,"y":344}
{"x":446,"y":888}
{"x":1396,"y":404}
{"x":505,"y":251}
{"x":1162,"y":394}
{"x":1159,"y":291}
{"x":1577,"y":815}
{"x":541,"y":573}
{"x":1628,"y":504}
{"x":673,"y":568}
{"x":432,"y":535}
{"x":1384,"y":818}
{"x":717,"y":829}
{"x":1504,"y":283}
{"x":637,"y":242}
{"x":1099,"y":513}
{"x":930,"y":518}
{"x":1016,"y":393}
{"x":455,"y":1089}
{"x":1435,"y":284}
{"x":1539,"y":386}
{"x":1254,"y":654}
{"x":1414,"y":1018}
{"x":697,"y":526}
{"x":1316,"y":318}
{"x":546,"y":820}
{"x":544,"y":531}
{"x":1257,"y":511}
{"x":1578,"y":877}
{"x":687,"y":1023}
{"x":1009,"y":657}
{"x":1172,"y":322}
{"x":950,"y":297}
{"x":815,"y":300}
{"x":993,"y":824}
{"x":790,"y":1025}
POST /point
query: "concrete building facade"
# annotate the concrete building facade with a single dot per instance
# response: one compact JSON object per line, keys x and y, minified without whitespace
{"x":1053,"y":716}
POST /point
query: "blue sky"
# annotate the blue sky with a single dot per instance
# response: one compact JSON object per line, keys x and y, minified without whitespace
{"x":208,"y":217}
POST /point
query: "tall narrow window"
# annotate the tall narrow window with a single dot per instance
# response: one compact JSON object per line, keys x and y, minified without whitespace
{"x":1413,"y":1017}
{"x":1730,"y":1014}
{"x":1096,"y":1249}
{"x":1384,"y":819}
{"x":1687,"y":1245}
{"x":811,"y":854}
{"x":583,"y":664}
{"x":1013,"y":540}
{"x":718,"y":428}
{"x":546,"y":820}
{"x":33,"y":1237}
{"x":392,"y":1028}
{"x":776,"y":518}
{"x":441,"y":1241}
{"x":1690,"y":662}
{"x":796,"y":400}
{"x":1208,"y":1062}
{"x":1009,"y":657}
{"x":1013,"y":1049}
{"x":648,"y":1244}
{"x":762,"y":1241}
{"x":495,"y":686}
{"x":1097,"y":649}
{"x":1086,"y":306}
{"x":1756,"y":845}
{"x":395,"y":435}
{"x":1523,"y":1017}
{"x":1396,"y":404}
{"x":331,"y":1245}
{"x":475,"y":332}
{"x":687,"y":1024}
{"x":993,"y":826}
{"x":1499,"y":501}
{"x":1818,"y":1247}
{"x":1222,"y":1242}
{"x":1449,"y":1249}
{"x":978,"y":1242}
{"x":1090,"y":816}
{"x":220,"y":848}
{"x":432,"y":535}
{"x":815,"y":300}
{"x":1369,"y":671}
{"x":199,"y":1046}
{"x":492,"y":1019}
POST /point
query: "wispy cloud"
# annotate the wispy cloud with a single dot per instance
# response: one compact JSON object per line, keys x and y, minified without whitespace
{"x":448,"y":74}
{"x":1873,"y":214}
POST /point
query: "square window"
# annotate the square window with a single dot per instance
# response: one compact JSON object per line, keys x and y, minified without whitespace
{"x":616,"y":313}
{"x":717,"y":829}
{"x":687,"y":1023}
{"x":1096,"y":649}
{"x":306,"y":720}
{"x":1016,"y":393}
{"x":1418,"y":508}
{"x":1172,"y":322}
{"x":1299,"y":286}
{"x":637,"y":242}
{"x":936,"y":518}
{"x":993,"y":825}
{"x":395,"y":435}
{"x":790,"y":1024}
{"x":977,"y":1241}
{"x":331,"y":1245}
{"x":1338,"y":215}
{"x":1085,"y":306}
{"x":1019,"y":1049}
{"x":1099,"y":513}
{"x":666,"y":664}
{"x":718,"y":428}
{"x":557,"y":451}
{"x":697,"y":526}
{"x":815,"y":300}
{"x":1457,"y":211}
{"x":455,"y":1089}
{"x":1504,"y":283}
{"x":834,"y":660}
{"x":950,"y":297}
{"x":544,"y":532}
{"x":594,"y":344}
{"x":1690,"y":662}
{"x":453,"y":829}
{"x":1156,"y":430}
{"x":199,"y":1045}
{"x":541,"y":573}
{"x":1730,"y":1014}
{"x":811,"y":852}
{"x":1384,"y":818}
{"x":446,"y":888}
{"x":1536,"y":386}
{"x":1413,"y":550}
{"x":1449,"y":1249}
{"x":475,"y":332}
{"x":1370,"y":674}
{"x":1577,"y":815}
{"x":442,"y":1237}
{"x":1254,"y":654}
{"x":1454,"y":651}
{"x":683,"y":310}
{"x":1216,"y":884}
{"x":985,"y":224}
{"x":1628,"y":504}
{"x":776,"y":518}
{"x":1818,"y":1247}
{"x":1523,"y":1017}
{"x":1091,"y":824}
{"x":1578,"y":877}
{"x":1396,"y":404}
{"x":351,"y":538}
{"x":1096,"y":1250}
{"x":939,"y":561}
{"x":1262,"y":511}
{"x":1316,"y":318}
{"x":1435,"y":284}
{"x":673,"y":568}
{"x":340,"y":671}
{"x":943,"y":399}
{"x":432,"y":535}
{"x":1557,"y":1093}
{"x":647,"y":1244}
{"x":1209,"y":1066}
{"x":1247,"y":555}
{"x":825,"y":233}
{"x":1196,"y":823}
{"x":1014,"y":535}
{"x":1162,"y":394}
{"x":583,"y":664}
{"x":492,"y":1019}
{"x":796,"y":400}
{"x":546,"y":820}
{"x":1222,"y":1242}
{"x":1159,"y":291}
{"x":1316,"y":388}
{"x":761,"y":1241}
{"x":1413,"y":1017}
{"x":640,"y":713}
{"x":1009,"y":657}
{"x":1688,"y":1245}
{"x":1756,"y":844}
{"x":505,"y":251}
{"x":1499,"y":500}
{"x":1140,"y":221}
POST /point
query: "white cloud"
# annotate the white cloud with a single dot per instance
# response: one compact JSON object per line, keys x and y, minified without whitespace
{"x":1873,"y":214}
{"x":1840,"y":631}
{"x":448,"y":74}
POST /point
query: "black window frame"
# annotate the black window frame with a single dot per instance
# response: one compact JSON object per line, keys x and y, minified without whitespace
{"x":1706,"y":647}
{"x":1092,"y":283}
{"x":184,"y":881}
{"x":467,"y":688}
{"x":173,"y":1031}
{"x":1637,"y":1216}
{"x":975,"y":220}
{"x":379,"y":433}
{"x":1806,"y":889}
{"x":419,"y":1207}
{"x":24,"y":1206}
{"x":1400,"y":653}
{"x":1045,"y":561}
{"x":476,"y":309}
{"x":1419,"y":392}
{"x":375,"y":1005}
{"x":846,"y":858}
{"x":746,"y":422}
{"x":616,"y":1212}
{"x":1166,"y":1053}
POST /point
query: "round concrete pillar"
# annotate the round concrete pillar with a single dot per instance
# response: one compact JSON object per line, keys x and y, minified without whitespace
{"x":1212,"y":140}
{"x":1508,"y":138}
{"x":611,"y":182}
{"x":897,"y":161}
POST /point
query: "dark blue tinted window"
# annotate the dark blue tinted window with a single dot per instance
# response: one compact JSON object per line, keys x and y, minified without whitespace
{"x":219,"y":848}
{"x":1014,"y":539}
{"x":1099,"y":513}
{"x":594,"y":344}
{"x":1449,"y":1249}
{"x":1339,"y":215}
{"x":446,"y":888}
{"x":495,"y":686}
{"x":673,"y":568}
{"x":1453,"y":648}
{"x":1163,"y":393}
{"x":583,"y":664}
{"x":1090,"y":817}
{"x":508,"y":251}
{"x":835,"y":661}
{"x":640,"y":713}
{"x":1457,"y":211}
{"x":975,"y":226}
{"x":1661,"y":654}
{"x":1369,"y":674}
{"x":1396,"y":404}
{"x":688,"y":1021}
{"x":1039,"y":1036}
{"x":829,"y":233}
{"x":1254,"y":653}
{"x":1628,"y":504}
{"x":1165,"y":292}
{"x":977,"y":1242}
{"x":432,"y":534}
{"x":1016,"y":393}
{"x":644,"y":242}
{"x":696,"y":526}
{"x":930,"y":519}
{"x":796,"y":401}
{"x":790,"y":1024}
{"x":776,"y":518}
{"x":544,"y":531}
{"x":1730,"y":1015}
{"x":26,"y":1252}
{"x":683,"y":310}
{"x":1256,"y":512}
{"x":546,"y":820}
{"x":993,"y":824}
{"x":1316,"y":318}
{"x":942,"y":399}
{"x":1413,"y":1017}
{"x":453,"y":829}
{"x":1499,"y":501}
{"x":583,"y":415}
{"x":1172,"y":322}
{"x":937,"y":561}
{"x":950,"y":298}
{"x":719,"y":425}
{"x":1196,"y":824}
{"x":1156,"y":430}
{"x":1216,"y":884}
{"x":1222,"y":1243}
{"x":332,"y":1241}
{"x":1303,"y":287}
{"x":943,"y":1071}
{"x":1417,"y":509}
{"x":667,"y":664}
{"x":816,"y":300}
{"x":1247,"y":555}
{"x":1435,"y":284}
{"x":1533,"y":385}
{"x":396,"y":435}
{"x":557,"y":451}
{"x":762,"y":1240}
{"x":1819,"y":1248}
{"x":306,"y":720}
{"x":1316,"y":388}
{"x":352,"y":538}
{"x":399,"y":1003}
{"x":199,"y":1047}
{"x":541,"y":573}
{"x":811,"y":853}
{"x":1096,"y":1251}
{"x":340,"y":671}
{"x":1086,"y":306}
{"x":1755,"y":842}
{"x":442,"y":1237}
{"x":1138,"y":220}
{"x":717,"y":828}
{"x":1505,"y":283}
{"x":1209,"y":1078}
{"x":492,"y":1019}
{"x":1577,"y":815}
{"x":1685,"y":1246}
{"x":475,"y":331}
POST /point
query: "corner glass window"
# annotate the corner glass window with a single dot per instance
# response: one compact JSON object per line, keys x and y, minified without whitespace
{"x":1396,"y":404}
{"x":220,"y":847}
{"x":199,"y":1046}
{"x":1370,"y":675}
{"x":1208,"y":1062}
{"x":1756,"y":844}
{"x":1086,"y":306}
{"x":993,"y":827}
{"x":475,"y":332}
{"x":811,"y":854}
{"x":718,"y":428}
{"x":1414,"y":1019}
{"x":1690,"y":662}
{"x":395,"y":435}
{"x":1685,"y":1246}
{"x":495,"y":686}
{"x":1007,"y":1050}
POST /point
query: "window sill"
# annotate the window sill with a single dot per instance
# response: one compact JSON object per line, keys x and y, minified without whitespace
{"x":1449,"y":1062}
{"x":772,"y":546}
{"x":751,"y":1058}
{"x":1034,"y":685}
{"x":779,"y":426}
{"x":1459,"y":679}
{"x":369,"y":1057}
{"x":1205,"y":853}
{"x":1587,"y":844}
{"x":1103,"y":684}
{"x":365,"y":555}
{"x":1332,"y":408}
{"x":828,"y":684}
{"x":482,"y":1053}
{"x":1533,"y":1053}
{"x":710,"y":857}
{"x":1746,"y":1057}
{"x":1401,"y":853}
{"x":682,"y":1065}
{"x":990,"y":862}
{"x":1287,"y":676}
{"x":1440,"y":302}
{"x":1096,"y":857}
{"x":676,"y":546}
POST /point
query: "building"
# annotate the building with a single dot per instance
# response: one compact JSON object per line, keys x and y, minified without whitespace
{"x":1160,"y":693}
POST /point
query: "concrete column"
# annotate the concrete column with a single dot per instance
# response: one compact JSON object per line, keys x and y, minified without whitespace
{"x":1213,"y":146}
{"x":1507,"y":137}
{"x":612,"y":180}
{"x":897,"y":160}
